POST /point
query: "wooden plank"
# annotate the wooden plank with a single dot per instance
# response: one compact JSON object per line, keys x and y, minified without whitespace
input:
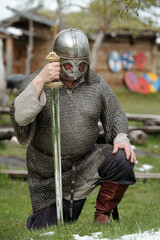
{"x":146,"y":129}
{"x":143,"y":117}
{"x":24,"y":174}
{"x":147,"y":175}
{"x":15,"y":173}
{"x":6,"y":133}
{"x":4,"y":110}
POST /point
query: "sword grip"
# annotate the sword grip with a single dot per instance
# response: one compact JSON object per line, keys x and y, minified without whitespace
{"x":53,"y":57}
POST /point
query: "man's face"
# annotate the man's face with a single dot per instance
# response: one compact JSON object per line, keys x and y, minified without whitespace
{"x":72,"y":70}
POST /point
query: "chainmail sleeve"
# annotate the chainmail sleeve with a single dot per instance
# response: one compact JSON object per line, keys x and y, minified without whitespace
{"x":113,"y":118}
{"x":24,"y":134}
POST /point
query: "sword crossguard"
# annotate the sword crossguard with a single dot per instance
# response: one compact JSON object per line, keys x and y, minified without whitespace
{"x":53,"y":57}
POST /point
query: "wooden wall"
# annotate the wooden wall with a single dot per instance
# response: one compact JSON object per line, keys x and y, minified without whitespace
{"x":43,"y":43}
{"x":149,"y":49}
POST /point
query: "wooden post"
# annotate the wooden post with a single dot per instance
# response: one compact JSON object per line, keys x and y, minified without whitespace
{"x":2,"y":77}
{"x":9,"y":56}
{"x":30,"y":47}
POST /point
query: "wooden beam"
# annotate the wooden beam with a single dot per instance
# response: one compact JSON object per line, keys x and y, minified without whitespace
{"x":4,"y":110}
{"x":29,"y":47}
{"x":146,"y":129}
{"x":143,"y":117}
{"x":6,"y":133}
{"x":9,"y":56}
{"x":147,"y":175}
{"x":24,"y":174}
{"x":15,"y":173}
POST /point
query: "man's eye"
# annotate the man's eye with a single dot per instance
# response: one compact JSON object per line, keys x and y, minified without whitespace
{"x":81,"y":67}
{"x":67,"y":66}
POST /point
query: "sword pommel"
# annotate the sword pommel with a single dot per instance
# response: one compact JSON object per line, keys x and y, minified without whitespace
{"x":53,"y":57}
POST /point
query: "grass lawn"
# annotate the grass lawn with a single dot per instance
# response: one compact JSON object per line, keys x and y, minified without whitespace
{"x":133,"y":102}
{"x":139,"y":209}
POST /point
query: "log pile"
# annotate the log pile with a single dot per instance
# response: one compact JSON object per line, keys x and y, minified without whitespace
{"x":151,"y":124}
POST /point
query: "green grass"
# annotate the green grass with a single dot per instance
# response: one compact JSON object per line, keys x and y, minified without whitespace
{"x":12,"y":149}
{"x":150,"y":160}
{"x":133,"y":102}
{"x":139,"y":211}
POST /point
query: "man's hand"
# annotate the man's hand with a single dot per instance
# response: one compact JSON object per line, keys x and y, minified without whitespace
{"x":128,"y":150}
{"x":48,"y":74}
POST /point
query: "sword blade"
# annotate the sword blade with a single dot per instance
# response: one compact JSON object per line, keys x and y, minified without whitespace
{"x":55,"y":119}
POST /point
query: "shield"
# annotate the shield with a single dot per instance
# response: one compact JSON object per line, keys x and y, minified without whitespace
{"x":131,"y":81}
{"x":153,"y":81}
{"x":140,"y":61}
{"x":114,"y":61}
{"x":127,"y":61}
{"x":142,"y":86}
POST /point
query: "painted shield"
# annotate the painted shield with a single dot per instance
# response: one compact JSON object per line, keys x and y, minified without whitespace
{"x":143,"y":86}
{"x":140,"y":61}
{"x":131,"y":81}
{"x":114,"y":61}
{"x":127,"y":61}
{"x":153,"y":81}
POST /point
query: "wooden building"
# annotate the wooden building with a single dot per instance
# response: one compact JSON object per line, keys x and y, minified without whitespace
{"x":25,"y":52}
{"x":27,"y":38}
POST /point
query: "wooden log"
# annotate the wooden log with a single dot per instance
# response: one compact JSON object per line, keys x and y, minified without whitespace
{"x":6,"y":133}
{"x":137,"y":136}
{"x":146,"y":129}
{"x":4,"y":110}
{"x":144,"y":118}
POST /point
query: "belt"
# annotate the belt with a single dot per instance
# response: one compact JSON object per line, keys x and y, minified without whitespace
{"x":65,"y":158}
{"x":69,"y":158}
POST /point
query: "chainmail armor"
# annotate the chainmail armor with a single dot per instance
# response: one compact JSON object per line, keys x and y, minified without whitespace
{"x":80,"y":110}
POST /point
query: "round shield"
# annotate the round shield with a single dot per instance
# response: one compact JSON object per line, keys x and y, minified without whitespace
{"x":131,"y":81}
{"x":143,"y":86}
{"x":114,"y":61}
{"x":127,"y":61}
{"x":140,"y":61}
{"x":153,"y":81}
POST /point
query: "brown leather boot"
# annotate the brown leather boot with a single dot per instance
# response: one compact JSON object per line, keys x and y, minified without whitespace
{"x":110,"y":194}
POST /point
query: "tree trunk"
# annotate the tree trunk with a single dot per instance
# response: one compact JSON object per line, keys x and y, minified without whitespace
{"x":95,"y":48}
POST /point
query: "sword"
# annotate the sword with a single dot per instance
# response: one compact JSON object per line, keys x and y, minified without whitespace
{"x":55,"y":121}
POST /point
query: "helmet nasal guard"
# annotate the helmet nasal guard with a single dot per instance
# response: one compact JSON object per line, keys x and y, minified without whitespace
{"x":72,"y":46}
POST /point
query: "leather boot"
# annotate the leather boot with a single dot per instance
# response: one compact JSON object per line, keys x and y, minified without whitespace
{"x":110,"y":194}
